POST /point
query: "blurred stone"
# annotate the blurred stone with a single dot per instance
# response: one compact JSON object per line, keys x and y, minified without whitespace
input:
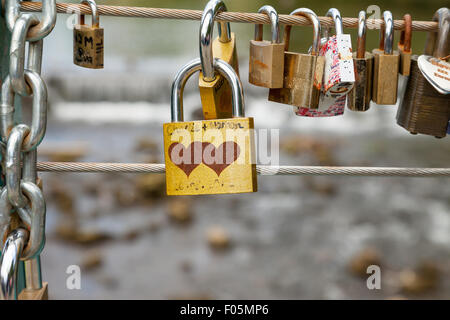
{"x":367,"y":257}
{"x":91,"y":260}
{"x":131,"y":235}
{"x":70,"y":232}
{"x":186,"y":266}
{"x":298,"y":144}
{"x":125,"y":197}
{"x":218,"y":238}
{"x":396,"y":298}
{"x":424,"y":278}
{"x":179,"y":210}
{"x":64,"y":155}
{"x":151,"y":186}
{"x":323,"y":187}
{"x":61,"y":196}
{"x":146,"y":144}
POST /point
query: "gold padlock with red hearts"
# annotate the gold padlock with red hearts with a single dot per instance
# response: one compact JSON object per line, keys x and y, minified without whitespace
{"x":209,"y":156}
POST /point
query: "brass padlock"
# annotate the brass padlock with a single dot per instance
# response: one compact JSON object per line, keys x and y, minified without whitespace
{"x":358,"y":99}
{"x":404,"y":46}
{"x":266,"y":64}
{"x":215,"y":91}
{"x":88,"y":44}
{"x":209,"y":156}
{"x":303,"y":73}
{"x":386,"y":64}
{"x":424,"y":110}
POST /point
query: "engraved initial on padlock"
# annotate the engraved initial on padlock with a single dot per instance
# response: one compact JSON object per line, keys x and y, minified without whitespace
{"x":266,"y":65}
{"x":358,"y":99}
{"x":303,"y":72}
{"x":386,"y":65}
{"x":215,"y":92}
{"x":88,"y":40}
{"x":209,"y":156}
{"x":424,"y":110}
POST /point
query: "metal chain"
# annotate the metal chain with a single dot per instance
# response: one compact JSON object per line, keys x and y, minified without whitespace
{"x":91,"y":167}
{"x":21,"y":198}
{"x":256,"y":18}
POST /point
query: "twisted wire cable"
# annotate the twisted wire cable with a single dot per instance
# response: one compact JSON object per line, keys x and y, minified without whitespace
{"x":90,"y":167}
{"x":183,"y":14}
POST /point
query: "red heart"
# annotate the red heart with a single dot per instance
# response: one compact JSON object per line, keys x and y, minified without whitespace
{"x":187,"y":159}
{"x":218,"y":159}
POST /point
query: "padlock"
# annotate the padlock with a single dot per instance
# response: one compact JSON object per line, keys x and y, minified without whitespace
{"x":88,"y":41}
{"x":404,"y":46}
{"x":339,"y":73}
{"x":358,"y":99}
{"x":215,"y":91}
{"x":386,"y":65}
{"x":209,"y":156}
{"x":424,"y":110}
{"x":303,"y":72}
{"x":266,"y":64}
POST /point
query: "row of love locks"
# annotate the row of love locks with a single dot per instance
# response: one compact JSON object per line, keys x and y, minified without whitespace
{"x":22,"y":204}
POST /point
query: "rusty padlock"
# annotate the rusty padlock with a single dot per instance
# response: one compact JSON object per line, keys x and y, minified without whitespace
{"x":266,"y":64}
{"x":386,"y":65}
{"x":303,"y":72}
{"x":358,"y":99}
{"x":215,"y":91}
{"x":209,"y":156}
{"x":404,"y":46}
{"x":88,"y":41}
{"x":424,"y":110}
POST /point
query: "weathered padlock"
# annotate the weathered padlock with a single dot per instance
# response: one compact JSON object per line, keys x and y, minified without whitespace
{"x":358,"y":99}
{"x":424,"y":110}
{"x":339,"y":73}
{"x":303,"y":72}
{"x":266,"y":64}
{"x":386,"y":65}
{"x":215,"y":92}
{"x":88,"y":41}
{"x":404,"y":46}
{"x":209,"y":156}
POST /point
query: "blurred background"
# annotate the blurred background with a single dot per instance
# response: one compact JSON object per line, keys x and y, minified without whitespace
{"x":297,"y":238}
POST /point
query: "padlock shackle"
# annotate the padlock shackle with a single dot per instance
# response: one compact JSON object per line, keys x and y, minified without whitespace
{"x":212,"y":8}
{"x":312,"y":17}
{"x":192,"y":67}
{"x":274,"y":23}
{"x":9,"y":263}
{"x":406,"y":35}
{"x":94,"y":12}
{"x":337,"y":18}
{"x":361,"y":40}
{"x":437,"y":43}
{"x":387,"y":33}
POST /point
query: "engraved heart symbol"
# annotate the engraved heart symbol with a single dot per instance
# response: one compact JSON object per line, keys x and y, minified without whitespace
{"x":218,"y":159}
{"x":187,"y":159}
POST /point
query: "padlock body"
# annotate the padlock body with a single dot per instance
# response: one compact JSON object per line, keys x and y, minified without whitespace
{"x":358,"y":99}
{"x":385,"y":77}
{"x":35,"y":294}
{"x":210,"y":157}
{"x":302,"y":81}
{"x":266,"y":67}
{"x":405,"y":62}
{"x":423,"y":110}
{"x":216,"y":95}
{"x":88,"y":46}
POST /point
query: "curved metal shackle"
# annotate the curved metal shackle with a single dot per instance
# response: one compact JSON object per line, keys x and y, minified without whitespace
{"x":337,"y":18}
{"x":362,"y":30}
{"x":274,"y":24}
{"x":211,"y":10}
{"x":192,"y":67}
{"x":437,"y":42}
{"x":44,"y":26}
{"x":406,"y":35}
{"x":387,"y":33}
{"x":312,"y":17}
{"x":94,"y":12}
{"x":9,"y":263}
{"x":17,"y":52}
{"x":39,"y":112}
